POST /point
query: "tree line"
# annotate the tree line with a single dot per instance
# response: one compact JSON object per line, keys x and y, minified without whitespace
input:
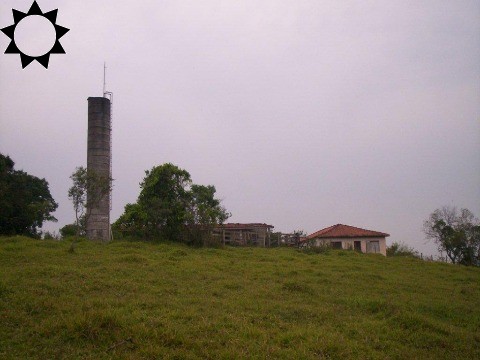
{"x":171,"y":207}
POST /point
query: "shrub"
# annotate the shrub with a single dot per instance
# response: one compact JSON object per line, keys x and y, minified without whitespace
{"x":71,"y":230}
{"x":401,"y":249}
{"x":323,"y":248}
{"x":47,"y":235}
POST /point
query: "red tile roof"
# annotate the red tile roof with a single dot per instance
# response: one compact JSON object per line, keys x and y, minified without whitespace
{"x":345,"y":231}
{"x":243,"y":226}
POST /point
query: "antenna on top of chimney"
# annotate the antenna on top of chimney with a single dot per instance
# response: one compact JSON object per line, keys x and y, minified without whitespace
{"x":106,"y":94}
{"x":104,"y":77}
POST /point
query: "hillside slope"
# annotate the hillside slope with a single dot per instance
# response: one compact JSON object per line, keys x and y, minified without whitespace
{"x":141,"y":300}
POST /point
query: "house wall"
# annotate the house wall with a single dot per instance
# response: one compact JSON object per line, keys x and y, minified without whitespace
{"x":348,"y":243}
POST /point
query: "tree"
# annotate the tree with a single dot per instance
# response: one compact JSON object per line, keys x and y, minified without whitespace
{"x":297,"y":236}
{"x":88,"y":189}
{"x":203,"y":214}
{"x":457,"y":233}
{"x":25,"y":201}
{"x":164,"y":198}
{"x":170,"y":207}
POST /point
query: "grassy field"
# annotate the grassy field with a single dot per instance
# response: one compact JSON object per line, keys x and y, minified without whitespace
{"x":136,"y":300}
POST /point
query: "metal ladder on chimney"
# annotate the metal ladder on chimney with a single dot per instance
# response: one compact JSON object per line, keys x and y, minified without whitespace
{"x":109,"y":95}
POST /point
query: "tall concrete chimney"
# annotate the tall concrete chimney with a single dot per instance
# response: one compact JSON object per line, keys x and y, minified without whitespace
{"x":99,"y":160}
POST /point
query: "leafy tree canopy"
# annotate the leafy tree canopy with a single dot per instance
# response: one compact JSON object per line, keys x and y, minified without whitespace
{"x":203,"y":213}
{"x":164,"y":199}
{"x":457,"y":233}
{"x":171,"y":207}
{"x":132,"y":222}
{"x":25,"y":201}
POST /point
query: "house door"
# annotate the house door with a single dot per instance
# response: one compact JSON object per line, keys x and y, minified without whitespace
{"x":357,"y":245}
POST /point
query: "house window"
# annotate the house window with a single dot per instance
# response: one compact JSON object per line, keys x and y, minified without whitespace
{"x":336,"y":244}
{"x":373,"y":247}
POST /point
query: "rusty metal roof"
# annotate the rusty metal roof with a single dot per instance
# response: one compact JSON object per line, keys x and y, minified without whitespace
{"x":235,"y":226}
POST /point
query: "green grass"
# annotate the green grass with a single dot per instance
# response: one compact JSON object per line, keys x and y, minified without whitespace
{"x":134,"y":300}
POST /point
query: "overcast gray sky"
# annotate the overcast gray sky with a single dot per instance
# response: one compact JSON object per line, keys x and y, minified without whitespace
{"x":303,"y":114}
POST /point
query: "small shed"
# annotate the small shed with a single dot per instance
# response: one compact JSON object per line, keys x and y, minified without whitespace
{"x":253,"y":234}
{"x":350,"y":237}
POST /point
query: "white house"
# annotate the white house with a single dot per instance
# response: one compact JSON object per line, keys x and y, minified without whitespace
{"x":349,"y":237}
